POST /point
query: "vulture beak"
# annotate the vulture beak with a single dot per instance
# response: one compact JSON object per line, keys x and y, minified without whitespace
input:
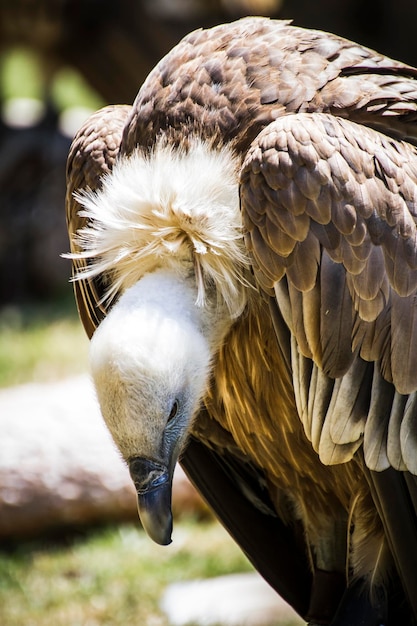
{"x":153,"y":482}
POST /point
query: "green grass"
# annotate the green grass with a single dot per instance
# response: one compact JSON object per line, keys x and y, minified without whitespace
{"x":113,"y":577}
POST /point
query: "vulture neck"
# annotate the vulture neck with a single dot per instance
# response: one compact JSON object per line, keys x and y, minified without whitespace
{"x":173,"y":293}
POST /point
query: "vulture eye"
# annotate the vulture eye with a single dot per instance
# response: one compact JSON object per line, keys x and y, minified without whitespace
{"x":174,"y":411}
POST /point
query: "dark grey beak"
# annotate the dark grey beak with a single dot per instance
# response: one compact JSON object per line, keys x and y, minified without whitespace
{"x":153,"y":482}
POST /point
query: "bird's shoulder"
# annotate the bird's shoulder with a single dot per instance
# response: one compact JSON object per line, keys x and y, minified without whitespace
{"x":232,"y":80}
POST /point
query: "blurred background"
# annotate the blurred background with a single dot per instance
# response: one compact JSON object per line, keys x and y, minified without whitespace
{"x":71,"y":550}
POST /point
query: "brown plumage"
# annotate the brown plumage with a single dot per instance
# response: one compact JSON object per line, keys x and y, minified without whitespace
{"x":305,"y":301}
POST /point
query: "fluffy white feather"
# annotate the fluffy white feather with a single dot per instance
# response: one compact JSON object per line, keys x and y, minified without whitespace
{"x":171,"y":205}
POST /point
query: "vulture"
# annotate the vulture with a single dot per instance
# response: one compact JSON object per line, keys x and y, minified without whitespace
{"x":244,"y":249}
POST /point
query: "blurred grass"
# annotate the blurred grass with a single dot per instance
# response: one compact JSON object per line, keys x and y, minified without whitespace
{"x":115,"y":576}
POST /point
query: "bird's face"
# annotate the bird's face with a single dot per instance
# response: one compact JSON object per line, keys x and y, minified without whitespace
{"x":150,"y":370}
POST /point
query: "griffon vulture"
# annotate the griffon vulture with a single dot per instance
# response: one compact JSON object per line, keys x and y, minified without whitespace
{"x":245,"y":262}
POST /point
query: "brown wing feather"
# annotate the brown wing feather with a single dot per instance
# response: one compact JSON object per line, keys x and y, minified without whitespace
{"x":351,"y":274}
{"x":231,"y":81}
{"x":92,"y":155}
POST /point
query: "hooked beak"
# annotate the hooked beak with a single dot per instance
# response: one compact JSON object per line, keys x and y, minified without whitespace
{"x":153,"y":482}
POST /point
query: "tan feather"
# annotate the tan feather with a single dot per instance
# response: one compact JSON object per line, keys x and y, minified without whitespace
{"x":376,"y":427}
{"x":408,"y":434}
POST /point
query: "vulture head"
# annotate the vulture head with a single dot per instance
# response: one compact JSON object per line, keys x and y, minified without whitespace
{"x":176,"y":266}
{"x":149,"y":361}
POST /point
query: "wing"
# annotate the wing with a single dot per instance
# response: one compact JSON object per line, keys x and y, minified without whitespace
{"x":230,"y":81}
{"x":330,"y":212}
{"x":329,"y":208}
{"x":92,"y":155}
